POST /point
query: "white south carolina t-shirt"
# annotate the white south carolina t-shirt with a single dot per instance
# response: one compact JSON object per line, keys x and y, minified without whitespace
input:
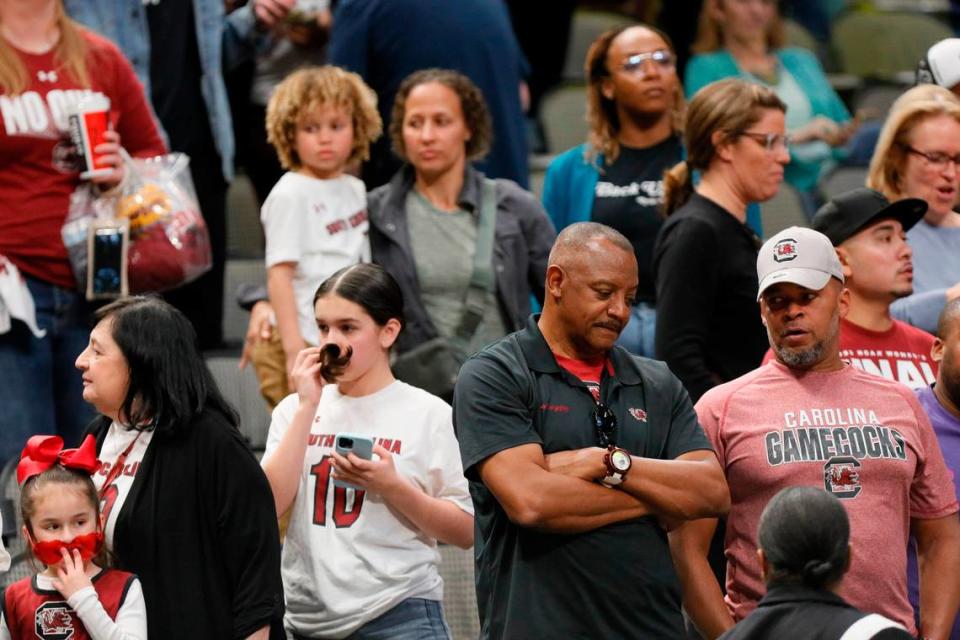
{"x":117,"y":440}
{"x":322,"y":226}
{"x":348,"y":558}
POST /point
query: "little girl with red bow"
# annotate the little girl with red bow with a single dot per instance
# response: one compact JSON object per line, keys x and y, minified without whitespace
{"x":74,"y":597}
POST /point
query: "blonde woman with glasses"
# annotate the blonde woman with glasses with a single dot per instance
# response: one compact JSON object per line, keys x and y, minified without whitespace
{"x":917,"y":156}
{"x":704,"y":261}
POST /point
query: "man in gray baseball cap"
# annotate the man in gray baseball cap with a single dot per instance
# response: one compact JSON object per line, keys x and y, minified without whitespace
{"x":798,"y":255}
{"x":810,"y":419}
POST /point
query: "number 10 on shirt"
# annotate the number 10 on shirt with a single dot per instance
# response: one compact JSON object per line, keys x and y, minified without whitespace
{"x":342,"y":516}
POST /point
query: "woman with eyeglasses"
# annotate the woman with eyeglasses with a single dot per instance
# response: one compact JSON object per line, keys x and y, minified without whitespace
{"x":917,"y":156}
{"x":708,"y":329}
{"x":745,"y":39}
{"x":635,"y":114}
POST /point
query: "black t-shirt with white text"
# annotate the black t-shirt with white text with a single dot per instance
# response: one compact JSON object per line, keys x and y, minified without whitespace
{"x":628,"y":197}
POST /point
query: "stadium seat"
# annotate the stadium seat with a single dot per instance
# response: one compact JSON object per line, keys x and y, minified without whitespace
{"x":244,"y":231}
{"x":242,"y":391}
{"x":798,"y":36}
{"x":459,"y":591}
{"x":586,"y":27}
{"x":844,"y":179}
{"x":235,"y":319}
{"x":782,"y":211}
{"x":883,"y":45}
{"x":563,"y":114}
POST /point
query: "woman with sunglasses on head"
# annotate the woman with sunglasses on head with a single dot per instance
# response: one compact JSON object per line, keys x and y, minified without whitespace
{"x":745,"y":39}
{"x":635,"y":114}
{"x":917,"y":156}
{"x":704,"y":261}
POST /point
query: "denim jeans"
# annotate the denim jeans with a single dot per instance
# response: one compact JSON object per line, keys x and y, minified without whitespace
{"x":41,"y":391}
{"x":412,"y":619}
{"x":637,"y":336}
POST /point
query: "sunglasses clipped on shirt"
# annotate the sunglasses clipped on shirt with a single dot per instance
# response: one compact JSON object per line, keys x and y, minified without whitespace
{"x":605,"y":425}
{"x":663,"y":57}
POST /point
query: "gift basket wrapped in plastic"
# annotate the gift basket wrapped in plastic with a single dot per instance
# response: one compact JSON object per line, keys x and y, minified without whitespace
{"x":169,"y":245}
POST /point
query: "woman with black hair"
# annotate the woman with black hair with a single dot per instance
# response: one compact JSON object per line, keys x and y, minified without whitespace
{"x":804,"y":538}
{"x":361,"y":560}
{"x":185,"y":505}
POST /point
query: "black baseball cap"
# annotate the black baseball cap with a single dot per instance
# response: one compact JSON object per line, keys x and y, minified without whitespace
{"x":850,"y":212}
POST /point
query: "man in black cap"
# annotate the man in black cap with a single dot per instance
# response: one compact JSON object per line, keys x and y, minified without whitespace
{"x":869,"y":234}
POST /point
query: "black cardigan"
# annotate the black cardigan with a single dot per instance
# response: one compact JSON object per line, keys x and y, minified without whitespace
{"x":199,"y":529}
{"x":708,"y":321}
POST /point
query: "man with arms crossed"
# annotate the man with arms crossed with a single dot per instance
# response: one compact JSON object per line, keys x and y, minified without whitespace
{"x":810,"y":419}
{"x":578,"y":456}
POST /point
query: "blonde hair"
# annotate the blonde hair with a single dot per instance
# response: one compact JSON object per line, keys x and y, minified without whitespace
{"x":310,"y":88}
{"x":731,"y":106}
{"x":710,"y":31}
{"x":909,"y":110}
{"x":70,"y":54}
{"x":602,"y":118}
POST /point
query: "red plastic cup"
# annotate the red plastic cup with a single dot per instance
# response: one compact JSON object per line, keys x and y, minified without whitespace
{"x":89,"y":121}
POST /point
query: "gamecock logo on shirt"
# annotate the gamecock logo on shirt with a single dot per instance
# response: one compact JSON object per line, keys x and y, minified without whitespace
{"x":54,"y":621}
{"x":841,"y":477}
{"x":785,"y":250}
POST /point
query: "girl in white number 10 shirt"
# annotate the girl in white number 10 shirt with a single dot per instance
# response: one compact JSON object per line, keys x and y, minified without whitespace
{"x":363,"y":563}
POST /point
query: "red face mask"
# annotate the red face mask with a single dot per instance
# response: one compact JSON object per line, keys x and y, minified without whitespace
{"x":48,"y":551}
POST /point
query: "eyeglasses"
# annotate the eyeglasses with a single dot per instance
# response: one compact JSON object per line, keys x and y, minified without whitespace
{"x":605,"y":424}
{"x":938,"y":159}
{"x":770,"y":141}
{"x":663,"y":57}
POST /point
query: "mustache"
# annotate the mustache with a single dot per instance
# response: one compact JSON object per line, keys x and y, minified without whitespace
{"x":613,"y":325}
{"x":333,"y":362}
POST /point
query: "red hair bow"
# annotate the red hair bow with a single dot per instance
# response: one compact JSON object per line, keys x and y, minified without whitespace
{"x":43,"y":452}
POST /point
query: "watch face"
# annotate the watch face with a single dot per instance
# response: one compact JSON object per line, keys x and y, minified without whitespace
{"x":620,"y":460}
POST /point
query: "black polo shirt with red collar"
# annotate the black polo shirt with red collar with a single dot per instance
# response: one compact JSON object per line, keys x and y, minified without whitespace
{"x":614,"y":582}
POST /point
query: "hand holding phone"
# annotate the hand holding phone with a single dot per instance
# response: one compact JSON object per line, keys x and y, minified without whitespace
{"x":359,"y":445}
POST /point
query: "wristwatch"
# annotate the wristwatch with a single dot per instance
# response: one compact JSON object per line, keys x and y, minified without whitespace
{"x":618,"y":462}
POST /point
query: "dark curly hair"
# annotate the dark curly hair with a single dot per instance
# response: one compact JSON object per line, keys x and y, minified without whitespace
{"x":475,"y":112}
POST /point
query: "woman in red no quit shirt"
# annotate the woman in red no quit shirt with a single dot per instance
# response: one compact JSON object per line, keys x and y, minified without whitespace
{"x":48,"y":63}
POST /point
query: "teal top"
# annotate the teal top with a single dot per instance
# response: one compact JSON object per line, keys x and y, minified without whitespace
{"x":806,"y":166}
{"x":570,"y":185}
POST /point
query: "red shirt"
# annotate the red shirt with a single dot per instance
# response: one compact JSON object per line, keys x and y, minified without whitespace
{"x":37,"y":173}
{"x":32,"y":612}
{"x":901,"y":353}
{"x":589,"y":372}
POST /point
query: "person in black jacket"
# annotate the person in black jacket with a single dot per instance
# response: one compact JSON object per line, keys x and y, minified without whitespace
{"x":704,"y":260}
{"x":804,"y":538}
{"x":186,"y":506}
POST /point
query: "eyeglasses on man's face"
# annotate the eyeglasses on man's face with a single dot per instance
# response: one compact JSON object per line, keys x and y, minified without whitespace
{"x":769,"y":141}
{"x":663,"y":58}
{"x":938,"y":159}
